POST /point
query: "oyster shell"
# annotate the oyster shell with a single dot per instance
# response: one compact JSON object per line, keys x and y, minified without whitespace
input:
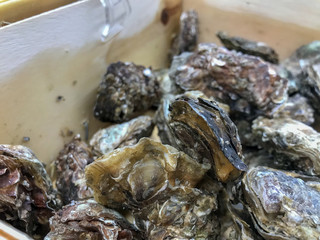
{"x":125,"y":89}
{"x":249,"y":47}
{"x":205,"y":132}
{"x":134,"y":176}
{"x":90,"y":220}
{"x":27,"y":198}
{"x":186,"y":40}
{"x":70,"y":165}
{"x":297,"y":108}
{"x":121,"y":135}
{"x":293,"y":139}
{"x":230,"y":76}
{"x":282,"y":206}
{"x":186,"y":213}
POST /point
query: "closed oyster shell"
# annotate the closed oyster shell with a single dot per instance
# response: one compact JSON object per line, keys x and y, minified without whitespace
{"x":205,"y":132}
{"x":134,"y":176}
{"x":27,"y":198}
{"x":230,"y":76}
{"x":121,"y":135}
{"x":282,"y":206}
{"x":293,"y":139}
{"x":187,"y":38}
{"x":249,"y":47}
{"x":70,"y":166}
{"x":297,"y":108}
{"x":125,"y":89}
{"x":90,"y":220}
{"x":186,"y":213}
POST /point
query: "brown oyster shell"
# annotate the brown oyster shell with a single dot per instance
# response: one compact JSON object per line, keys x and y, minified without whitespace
{"x":89,"y":220}
{"x":297,"y":108}
{"x":230,"y":76}
{"x":125,"y":89}
{"x":134,"y":176}
{"x":281,"y":206}
{"x":187,"y":38}
{"x":249,"y":47}
{"x":70,"y":166}
{"x":205,"y":132}
{"x":293,"y":139}
{"x":121,"y":135}
{"x":186,"y":213}
{"x":27,"y":198}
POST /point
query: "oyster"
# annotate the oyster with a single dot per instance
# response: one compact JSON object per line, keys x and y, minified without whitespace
{"x":70,"y":165}
{"x":125,"y":89}
{"x":302,"y":57}
{"x":303,"y":74}
{"x":186,"y":40}
{"x":296,"y":141}
{"x":282,"y":206}
{"x":297,"y":108}
{"x":249,"y":47}
{"x":205,"y":132}
{"x":90,"y":220}
{"x":121,"y":135}
{"x":310,"y":85}
{"x":230,"y":76}
{"x":186,"y":213}
{"x":135,"y":176}
{"x":27,"y":198}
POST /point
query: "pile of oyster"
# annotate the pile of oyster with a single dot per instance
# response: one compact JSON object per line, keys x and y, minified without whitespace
{"x":232,"y":151}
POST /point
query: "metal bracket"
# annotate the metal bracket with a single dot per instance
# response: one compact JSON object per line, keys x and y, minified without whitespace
{"x":116,"y":12}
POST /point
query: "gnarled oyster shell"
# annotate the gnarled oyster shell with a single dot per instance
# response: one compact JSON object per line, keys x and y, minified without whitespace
{"x":27,"y":198}
{"x":297,"y":108}
{"x":205,"y":132}
{"x":230,"y":76}
{"x":90,"y":220}
{"x":281,"y":206}
{"x":70,"y":165}
{"x":135,"y":176}
{"x":258,"y":49}
{"x":186,"y":213}
{"x":293,"y":139}
{"x":121,"y":135}
{"x":186,"y":40}
{"x":125,"y":89}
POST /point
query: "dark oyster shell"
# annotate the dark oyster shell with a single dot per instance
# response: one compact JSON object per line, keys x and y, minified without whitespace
{"x":135,"y":176}
{"x":303,"y":68}
{"x":297,"y":108}
{"x":70,"y":166}
{"x":310,"y":85}
{"x":121,"y":135}
{"x":205,"y":132}
{"x":231,"y":76}
{"x":125,"y":89}
{"x":293,"y":139}
{"x":186,"y":40}
{"x":249,"y":47}
{"x":90,"y":220}
{"x":282,"y":206}
{"x":186,"y":213}
{"x":27,"y":198}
